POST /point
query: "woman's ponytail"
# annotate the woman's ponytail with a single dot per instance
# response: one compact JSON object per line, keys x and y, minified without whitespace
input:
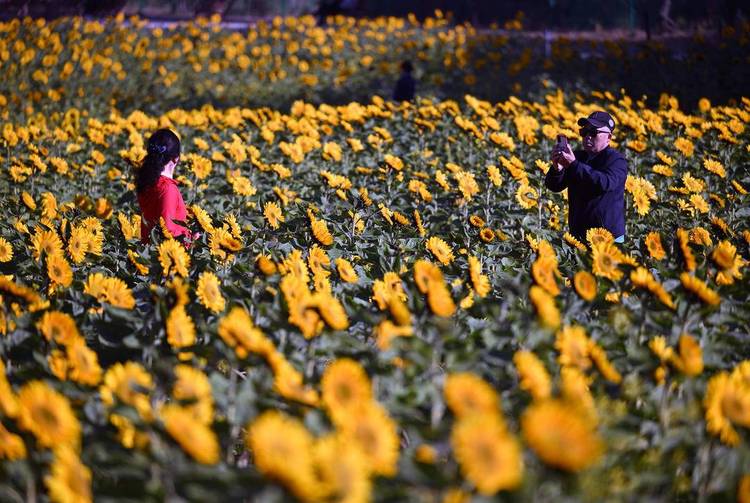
{"x":162,"y":147}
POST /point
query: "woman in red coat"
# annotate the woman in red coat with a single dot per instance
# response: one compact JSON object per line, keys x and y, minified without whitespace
{"x":158,"y":195}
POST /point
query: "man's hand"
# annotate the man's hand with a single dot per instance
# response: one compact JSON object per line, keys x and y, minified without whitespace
{"x":563,"y":156}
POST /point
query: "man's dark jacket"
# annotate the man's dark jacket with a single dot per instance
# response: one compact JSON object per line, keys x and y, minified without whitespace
{"x":596,"y":191}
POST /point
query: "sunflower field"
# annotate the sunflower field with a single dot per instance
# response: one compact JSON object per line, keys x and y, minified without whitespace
{"x":384,"y":303}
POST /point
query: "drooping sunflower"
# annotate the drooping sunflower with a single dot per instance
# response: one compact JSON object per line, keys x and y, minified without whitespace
{"x":572,"y":241}
{"x":376,"y":434}
{"x":6,"y":250}
{"x":69,"y":479}
{"x":480,"y":281}
{"x":195,"y":437}
{"x":273,"y":215}
{"x":209,"y":293}
{"x":585,"y":284}
{"x":386,"y":331}
{"x":467,"y":394}
{"x":532,"y":374}
{"x":526,"y":196}
{"x":544,"y":303}
{"x":266,"y":265}
{"x":726,"y":257}
{"x":180,"y":328}
{"x":344,"y":387}
{"x":489,"y":456}
{"x":440,"y":249}
{"x":700,"y":289}
{"x":283,"y":450}
{"x":238,"y":331}
{"x":561,"y":436}
{"x":48,"y":415}
{"x":59,"y":270}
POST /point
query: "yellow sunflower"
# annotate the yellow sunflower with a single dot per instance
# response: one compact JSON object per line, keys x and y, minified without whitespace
{"x":48,"y":415}
{"x":266,"y":265}
{"x":58,"y":326}
{"x":727,"y":402}
{"x":6,"y":250}
{"x":11,"y":445}
{"x":605,"y":259}
{"x":543,"y":271}
{"x":476,"y":221}
{"x":654,"y":246}
{"x":195,"y":437}
{"x":129,"y":383}
{"x":209,"y":293}
{"x":544,"y":303}
{"x":318,"y":260}
{"x":585,"y":284}
{"x":573,"y":345}
{"x":488,"y":455}
{"x":69,"y":480}
{"x":487,"y":235}
{"x":83,"y":364}
{"x":561,"y":436}
{"x":193,"y":389}
{"x":342,"y":470}
{"x":45,"y":242}
{"x":344,"y":386}
{"x":700,"y":289}
{"x":180,"y":328}
{"x":173,"y":258}
{"x":370,"y":428}
{"x":283,"y":450}
{"x":467,"y":394}
{"x":59,"y":270}
{"x":480,"y":281}
{"x":238,"y":331}
{"x":272,"y":213}
{"x":726,"y":257}
{"x":599,"y":236}
{"x":440,"y":249}
{"x":346,"y":271}
{"x":532,"y":374}
{"x":78,"y":244}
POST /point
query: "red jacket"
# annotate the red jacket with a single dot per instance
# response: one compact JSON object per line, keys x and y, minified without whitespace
{"x":162,"y":199}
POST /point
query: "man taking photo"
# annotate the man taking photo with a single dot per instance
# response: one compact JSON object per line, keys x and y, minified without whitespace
{"x":595,"y":178}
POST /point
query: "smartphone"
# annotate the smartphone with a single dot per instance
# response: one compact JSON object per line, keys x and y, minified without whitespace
{"x":562,"y":141}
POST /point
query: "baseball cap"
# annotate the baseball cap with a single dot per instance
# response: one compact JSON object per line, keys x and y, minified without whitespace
{"x":599,"y":120}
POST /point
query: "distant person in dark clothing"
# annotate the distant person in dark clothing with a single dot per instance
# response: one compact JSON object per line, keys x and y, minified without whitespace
{"x":405,"y":85}
{"x":595,"y":179}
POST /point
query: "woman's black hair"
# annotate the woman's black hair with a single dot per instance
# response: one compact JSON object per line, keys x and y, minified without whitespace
{"x":162,"y":147}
